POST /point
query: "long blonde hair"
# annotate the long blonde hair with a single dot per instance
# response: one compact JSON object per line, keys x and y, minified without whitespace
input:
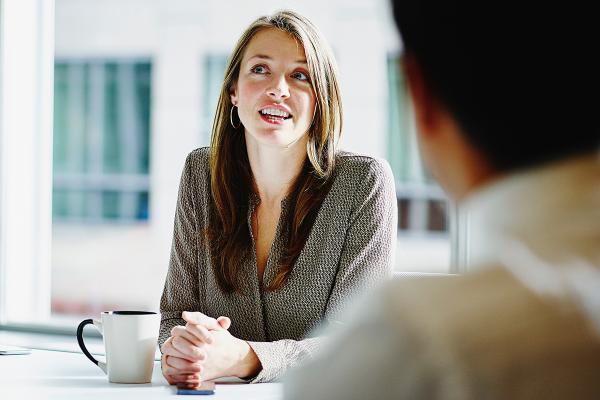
{"x":228,"y":235}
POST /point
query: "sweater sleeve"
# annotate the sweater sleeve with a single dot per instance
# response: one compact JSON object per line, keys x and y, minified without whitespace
{"x":366,"y":260}
{"x":181,"y":285}
{"x":368,"y":255}
{"x":278,"y":356}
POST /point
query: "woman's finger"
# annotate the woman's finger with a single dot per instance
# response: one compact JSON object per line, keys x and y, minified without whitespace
{"x":171,"y":350}
{"x":191,"y":352}
{"x":166,"y":369}
{"x":177,"y":366}
{"x":166,"y":344}
{"x":225,"y":322}
{"x":191,"y":385}
{"x":183,"y":332}
{"x":168,"y":349}
{"x":172,"y":371}
{"x":198,"y":318}
{"x":181,"y":365}
{"x":200,"y":332}
{"x":184,"y":378}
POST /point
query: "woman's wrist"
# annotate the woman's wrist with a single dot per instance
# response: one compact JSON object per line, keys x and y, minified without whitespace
{"x":248,"y":364}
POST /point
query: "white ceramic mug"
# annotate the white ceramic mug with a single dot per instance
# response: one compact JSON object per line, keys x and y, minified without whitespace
{"x":130,"y":340}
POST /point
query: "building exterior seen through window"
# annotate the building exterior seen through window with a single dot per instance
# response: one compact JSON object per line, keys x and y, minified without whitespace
{"x":214,"y":69}
{"x":422,"y":205}
{"x":101,"y":140}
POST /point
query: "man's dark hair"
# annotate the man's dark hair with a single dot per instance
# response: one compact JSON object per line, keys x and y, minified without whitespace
{"x":521,"y":83}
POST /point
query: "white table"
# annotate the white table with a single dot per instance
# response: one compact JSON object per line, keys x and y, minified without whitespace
{"x":47,"y":374}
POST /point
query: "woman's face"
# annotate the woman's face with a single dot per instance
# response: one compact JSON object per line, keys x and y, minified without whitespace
{"x":273,"y":92}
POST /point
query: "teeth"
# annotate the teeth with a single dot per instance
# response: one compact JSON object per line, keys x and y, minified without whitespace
{"x":275,"y":112}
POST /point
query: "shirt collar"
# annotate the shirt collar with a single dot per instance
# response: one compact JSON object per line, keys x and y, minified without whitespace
{"x":540,"y":206}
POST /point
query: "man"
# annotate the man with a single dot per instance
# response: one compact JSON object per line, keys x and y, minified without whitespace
{"x":505,"y":124}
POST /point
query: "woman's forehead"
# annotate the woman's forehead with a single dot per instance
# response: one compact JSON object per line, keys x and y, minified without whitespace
{"x":270,"y":44}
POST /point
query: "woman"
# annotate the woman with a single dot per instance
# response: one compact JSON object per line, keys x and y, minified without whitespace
{"x":274,"y":229}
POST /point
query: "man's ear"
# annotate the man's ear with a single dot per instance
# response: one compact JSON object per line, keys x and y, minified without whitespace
{"x":429,"y":112}
{"x":233,"y":94}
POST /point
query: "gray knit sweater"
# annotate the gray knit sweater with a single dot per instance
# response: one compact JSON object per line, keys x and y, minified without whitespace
{"x":349,"y":249}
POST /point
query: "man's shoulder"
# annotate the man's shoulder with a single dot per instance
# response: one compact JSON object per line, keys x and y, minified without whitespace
{"x":475,"y":297}
{"x":485,"y":324}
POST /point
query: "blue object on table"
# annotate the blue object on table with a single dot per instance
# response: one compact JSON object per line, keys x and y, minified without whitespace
{"x":207,"y":388}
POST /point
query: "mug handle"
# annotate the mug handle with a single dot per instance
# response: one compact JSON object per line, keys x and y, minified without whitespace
{"x":98,"y":325}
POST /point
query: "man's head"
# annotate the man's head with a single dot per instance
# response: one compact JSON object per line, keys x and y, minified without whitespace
{"x":497,"y":87}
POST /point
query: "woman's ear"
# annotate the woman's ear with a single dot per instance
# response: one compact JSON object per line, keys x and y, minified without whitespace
{"x":233,"y":94}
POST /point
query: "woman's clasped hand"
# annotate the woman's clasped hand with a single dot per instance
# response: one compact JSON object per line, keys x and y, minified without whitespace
{"x":203,"y":350}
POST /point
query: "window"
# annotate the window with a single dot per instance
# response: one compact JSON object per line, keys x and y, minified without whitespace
{"x":423,"y":210}
{"x":86,"y":211}
{"x":214,"y":70}
{"x":101,"y":183}
{"x":101,"y":140}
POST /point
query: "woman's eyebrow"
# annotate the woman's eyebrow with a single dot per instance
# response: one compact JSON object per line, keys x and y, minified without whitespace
{"x":269,"y":58}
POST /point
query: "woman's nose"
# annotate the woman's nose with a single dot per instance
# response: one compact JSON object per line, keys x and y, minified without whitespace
{"x":279,"y":89}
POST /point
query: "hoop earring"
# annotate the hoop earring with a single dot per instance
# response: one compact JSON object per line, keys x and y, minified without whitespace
{"x":231,"y":118}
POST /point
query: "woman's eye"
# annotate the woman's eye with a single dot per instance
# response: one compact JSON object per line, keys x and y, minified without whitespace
{"x":302,"y":76}
{"x":259,"y":69}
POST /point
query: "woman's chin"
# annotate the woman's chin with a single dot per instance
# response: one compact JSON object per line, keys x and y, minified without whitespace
{"x":274,"y":138}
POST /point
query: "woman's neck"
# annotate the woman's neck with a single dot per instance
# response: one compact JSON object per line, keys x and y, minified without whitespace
{"x":275,"y":169}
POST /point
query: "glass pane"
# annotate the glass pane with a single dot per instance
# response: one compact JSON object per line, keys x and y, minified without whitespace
{"x":110,"y":205}
{"x":214,"y":70}
{"x":112,"y":162}
{"x":143,"y":75}
{"x":101,"y":182}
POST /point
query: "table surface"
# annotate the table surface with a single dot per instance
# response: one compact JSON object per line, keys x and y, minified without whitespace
{"x":46,"y":374}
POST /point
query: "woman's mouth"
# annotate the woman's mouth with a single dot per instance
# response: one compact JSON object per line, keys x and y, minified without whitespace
{"x":274,"y":115}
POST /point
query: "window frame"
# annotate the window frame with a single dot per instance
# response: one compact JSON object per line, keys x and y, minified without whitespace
{"x":26,"y":110}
